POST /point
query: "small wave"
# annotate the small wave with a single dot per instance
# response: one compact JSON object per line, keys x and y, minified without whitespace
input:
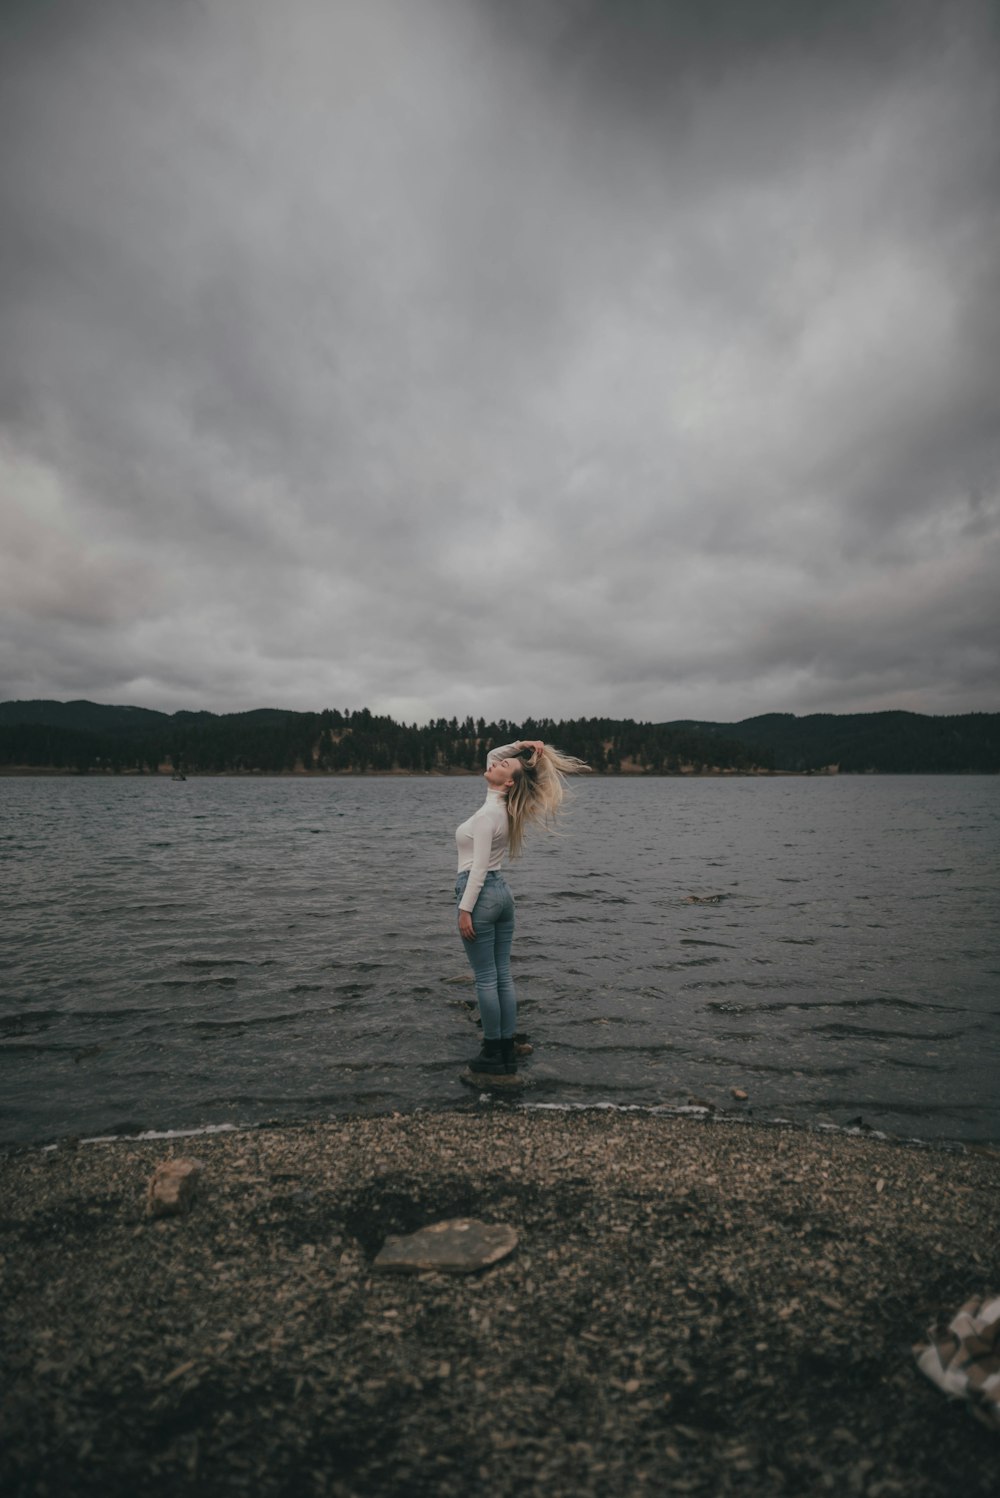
{"x":29,"y":1048}
{"x":225,"y":982}
{"x":13,"y":1024}
{"x":871,"y":1032}
{"x":766,"y":1069}
{"x":215,"y":962}
{"x":744,"y":983}
{"x":731,"y":1006}
{"x":248,"y":1023}
{"x":901,"y":1063}
{"x":98,"y":1016}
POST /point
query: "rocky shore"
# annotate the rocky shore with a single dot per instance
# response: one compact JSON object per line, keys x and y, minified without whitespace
{"x":693,"y":1307}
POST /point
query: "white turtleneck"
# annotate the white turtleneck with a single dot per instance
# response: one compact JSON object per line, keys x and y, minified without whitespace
{"x":482,"y":840}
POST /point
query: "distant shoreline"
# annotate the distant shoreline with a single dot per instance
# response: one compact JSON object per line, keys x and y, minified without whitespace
{"x":46,"y":737}
{"x":14,"y":772}
{"x":25,"y":772}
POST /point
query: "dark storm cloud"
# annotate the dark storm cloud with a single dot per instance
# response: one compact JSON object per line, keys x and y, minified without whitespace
{"x":502,"y":357}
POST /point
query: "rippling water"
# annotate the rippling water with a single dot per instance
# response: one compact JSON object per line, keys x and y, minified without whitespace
{"x":183,"y":954}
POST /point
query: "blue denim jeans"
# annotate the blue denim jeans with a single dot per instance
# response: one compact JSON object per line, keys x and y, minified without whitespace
{"x":489,"y":954}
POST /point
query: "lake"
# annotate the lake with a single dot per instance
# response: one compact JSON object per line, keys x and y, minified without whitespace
{"x":186,"y":954}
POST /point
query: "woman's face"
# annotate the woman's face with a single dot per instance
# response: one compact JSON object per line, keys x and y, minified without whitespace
{"x":500,"y":776}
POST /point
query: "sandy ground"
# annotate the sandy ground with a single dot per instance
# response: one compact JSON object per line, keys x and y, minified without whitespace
{"x":694,"y":1307}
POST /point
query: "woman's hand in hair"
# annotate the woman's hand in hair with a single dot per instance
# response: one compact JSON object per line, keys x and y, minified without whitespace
{"x":535,"y":744}
{"x":465,"y":927}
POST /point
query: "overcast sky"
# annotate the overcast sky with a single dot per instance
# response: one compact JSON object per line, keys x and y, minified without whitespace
{"x":551,"y":357}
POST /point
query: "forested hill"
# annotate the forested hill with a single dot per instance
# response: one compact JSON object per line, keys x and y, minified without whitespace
{"x":86,"y":736}
{"x":89,"y":737}
{"x":892,"y":743}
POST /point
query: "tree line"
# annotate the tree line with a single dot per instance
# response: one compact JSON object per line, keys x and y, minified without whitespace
{"x":87,"y":737}
{"x":359,"y":742}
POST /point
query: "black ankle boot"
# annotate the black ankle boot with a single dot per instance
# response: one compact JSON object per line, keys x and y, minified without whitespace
{"x":508,"y":1050}
{"x":490,"y":1058}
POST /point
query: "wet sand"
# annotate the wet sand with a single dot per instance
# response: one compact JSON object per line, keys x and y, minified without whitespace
{"x":694,"y":1307}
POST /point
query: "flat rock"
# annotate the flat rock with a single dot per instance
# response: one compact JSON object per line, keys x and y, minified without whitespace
{"x":501,"y":1081}
{"x":172,"y":1187}
{"x":458,"y":1246}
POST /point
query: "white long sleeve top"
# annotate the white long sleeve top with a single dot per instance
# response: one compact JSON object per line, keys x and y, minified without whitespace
{"x":482,"y":839}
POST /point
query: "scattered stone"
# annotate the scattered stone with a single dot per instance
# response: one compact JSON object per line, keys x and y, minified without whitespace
{"x":701,"y":1102}
{"x":739,"y":1094}
{"x":172,"y":1187}
{"x":457,"y":1246}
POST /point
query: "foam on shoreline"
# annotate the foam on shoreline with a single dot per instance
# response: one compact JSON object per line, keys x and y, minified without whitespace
{"x":694,"y":1111}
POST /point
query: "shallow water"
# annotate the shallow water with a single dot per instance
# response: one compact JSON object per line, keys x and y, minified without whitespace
{"x":230,"y":950}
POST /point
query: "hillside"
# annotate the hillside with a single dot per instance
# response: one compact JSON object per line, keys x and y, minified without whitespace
{"x":889,"y":743}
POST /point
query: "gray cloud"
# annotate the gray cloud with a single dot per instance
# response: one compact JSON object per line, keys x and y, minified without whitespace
{"x":507,"y":358}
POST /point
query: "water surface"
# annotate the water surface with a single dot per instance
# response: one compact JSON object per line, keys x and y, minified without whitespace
{"x":233,"y":950}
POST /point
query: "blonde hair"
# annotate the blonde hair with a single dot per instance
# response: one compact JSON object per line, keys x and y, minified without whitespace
{"x":538,"y":791}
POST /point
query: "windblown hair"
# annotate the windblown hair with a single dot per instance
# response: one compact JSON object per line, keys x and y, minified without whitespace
{"x":538,"y":791}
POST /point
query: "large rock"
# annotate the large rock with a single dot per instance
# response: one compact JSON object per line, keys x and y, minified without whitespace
{"x":172,"y":1187}
{"x":458,"y":1246}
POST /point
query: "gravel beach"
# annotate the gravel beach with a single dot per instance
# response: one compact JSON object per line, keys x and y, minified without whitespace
{"x":694,"y":1306}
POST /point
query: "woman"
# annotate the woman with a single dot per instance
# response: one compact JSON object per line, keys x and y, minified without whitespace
{"x":525,"y":783}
